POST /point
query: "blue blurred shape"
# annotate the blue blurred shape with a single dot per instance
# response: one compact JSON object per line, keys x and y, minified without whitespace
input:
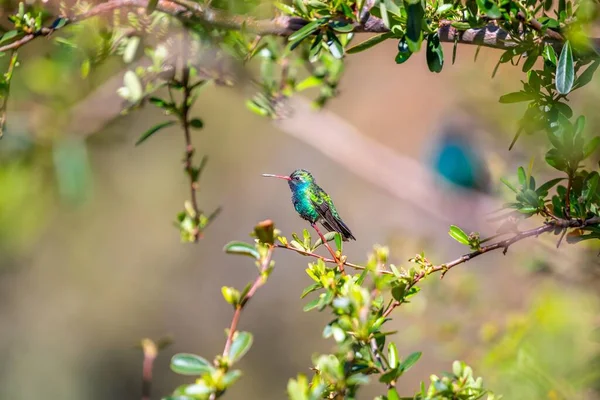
{"x":458,"y":161}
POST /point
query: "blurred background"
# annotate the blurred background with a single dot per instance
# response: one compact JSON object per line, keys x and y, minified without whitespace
{"x":90,"y":262}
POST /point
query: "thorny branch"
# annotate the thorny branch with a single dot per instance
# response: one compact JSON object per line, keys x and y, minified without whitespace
{"x":187,"y":11}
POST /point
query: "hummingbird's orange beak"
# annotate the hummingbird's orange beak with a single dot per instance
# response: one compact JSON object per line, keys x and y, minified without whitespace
{"x":287,"y":178}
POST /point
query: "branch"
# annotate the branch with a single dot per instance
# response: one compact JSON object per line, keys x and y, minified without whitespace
{"x":258,"y":282}
{"x":188,"y":11}
{"x":559,"y":224}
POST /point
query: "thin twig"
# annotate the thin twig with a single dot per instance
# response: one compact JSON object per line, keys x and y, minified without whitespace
{"x":335,"y":257}
{"x":185,"y":124}
{"x":258,"y":282}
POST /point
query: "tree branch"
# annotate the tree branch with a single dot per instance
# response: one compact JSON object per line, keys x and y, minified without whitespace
{"x":187,"y":11}
{"x":559,"y":224}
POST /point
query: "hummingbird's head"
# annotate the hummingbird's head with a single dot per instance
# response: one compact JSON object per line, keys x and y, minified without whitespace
{"x":297,"y":179}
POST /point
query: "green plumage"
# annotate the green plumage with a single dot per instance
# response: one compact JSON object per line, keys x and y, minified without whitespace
{"x":314,"y":204}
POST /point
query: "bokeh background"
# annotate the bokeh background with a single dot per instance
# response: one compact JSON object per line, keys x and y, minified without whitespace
{"x":90,"y":262}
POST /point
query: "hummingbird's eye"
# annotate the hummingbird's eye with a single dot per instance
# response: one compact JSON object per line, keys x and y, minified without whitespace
{"x":296,"y":178}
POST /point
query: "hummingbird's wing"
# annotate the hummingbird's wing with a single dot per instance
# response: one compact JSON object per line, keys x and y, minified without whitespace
{"x":330,"y":218}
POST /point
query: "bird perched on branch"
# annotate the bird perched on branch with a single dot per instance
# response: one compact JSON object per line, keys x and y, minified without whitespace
{"x":314,"y":204}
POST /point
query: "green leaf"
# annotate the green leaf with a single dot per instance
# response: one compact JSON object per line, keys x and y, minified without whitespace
{"x":305,"y":31}
{"x":241,"y":248}
{"x":522,"y":177}
{"x":312,"y":304}
{"x":459,"y":235}
{"x":242,"y":342}
{"x":198,"y":390}
{"x":590,"y":147}
{"x":414,"y":36}
{"x":530,"y":61}
{"x":8,"y":35}
{"x":592,"y":186}
{"x":392,"y":355}
{"x":308,"y":83}
{"x":131,"y":49}
{"x":310,"y":289}
{"x":490,"y":8}
{"x":443,"y":8}
{"x":516,"y":97}
{"x":549,"y":54}
{"x":410,"y":361}
{"x":197,"y":123}
{"x":392,"y":394}
{"x":151,"y":6}
{"x":587,"y":75}
{"x":338,"y":242}
{"x":134,"y":86}
{"x":329,"y":236}
{"x":230,"y":377}
{"x":565,"y":73}
{"x":231,"y":295}
{"x":543,"y":190}
{"x":335,"y":46}
{"x":434,"y":53}
{"x":509,"y":185}
{"x":370,"y":42}
{"x":153,"y":130}
{"x":190,"y":364}
{"x":341,"y":26}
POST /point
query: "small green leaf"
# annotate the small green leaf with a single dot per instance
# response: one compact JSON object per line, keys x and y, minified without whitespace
{"x":242,"y":342}
{"x":153,"y":130}
{"x":443,"y":8}
{"x":392,"y":394}
{"x":459,"y":235}
{"x":310,"y":82}
{"x":198,"y":390}
{"x":190,"y":364}
{"x":131,"y":49}
{"x":8,"y":35}
{"x":392,"y":355}
{"x":543,"y":190}
{"x":335,"y":46}
{"x":522,"y":177}
{"x":341,"y":26}
{"x":565,"y":73}
{"x":338,"y":242}
{"x":414,"y":36}
{"x":197,"y":123}
{"x":85,"y":68}
{"x":509,"y":185}
{"x":230,"y":377}
{"x":434,"y":53}
{"x":590,"y":147}
{"x":305,"y":31}
{"x":370,"y":42}
{"x":312,"y":304}
{"x":410,"y":361}
{"x":587,"y":75}
{"x":241,"y":248}
{"x":516,"y":97}
{"x":310,"y":289}
{"x":549,"y":54}
{"x":329,"y":236}
{"x":490,"y":8}
{"x":231,"y":295}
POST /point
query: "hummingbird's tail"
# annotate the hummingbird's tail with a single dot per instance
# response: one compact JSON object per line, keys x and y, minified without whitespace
{"x":337,"y":225}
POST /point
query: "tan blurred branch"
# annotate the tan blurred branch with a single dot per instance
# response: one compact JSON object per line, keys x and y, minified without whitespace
{"x":188,"y":11}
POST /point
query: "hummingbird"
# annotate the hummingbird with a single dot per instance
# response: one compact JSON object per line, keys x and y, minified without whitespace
{"x":314,"y":204}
